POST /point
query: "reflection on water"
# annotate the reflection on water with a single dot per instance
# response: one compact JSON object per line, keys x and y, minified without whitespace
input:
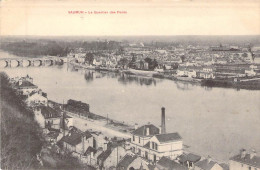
{"x":208,"y":119}
{"x":122,"y":78}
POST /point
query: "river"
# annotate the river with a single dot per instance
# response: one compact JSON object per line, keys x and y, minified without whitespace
{"x":212,"y":121}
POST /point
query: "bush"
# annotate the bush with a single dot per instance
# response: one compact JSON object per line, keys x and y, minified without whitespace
{"x":21,"y":136}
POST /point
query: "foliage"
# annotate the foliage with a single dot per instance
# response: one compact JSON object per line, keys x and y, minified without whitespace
{"x":21,"y":136}
{"x":34,"y":49}
{"x":89,"y":58}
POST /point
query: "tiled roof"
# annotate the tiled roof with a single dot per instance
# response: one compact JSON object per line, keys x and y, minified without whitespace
{"x":53,"y":135}
{"x":255,"y":161}
{"x":189,"y":157}
{"x":75,"y":137}
{"x":141,"y":131}
{"x":205,"y":164}
{"x":126,"y":161}
{"x":168,"y":137}
{"x":170,"y":164}
{"x":49,"y":112}
{"x":89,"y":150}
{"x":25,"y":83}
{"x":104,"y":155}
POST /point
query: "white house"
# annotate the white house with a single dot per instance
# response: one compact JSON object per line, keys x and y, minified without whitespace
{"x":182,"y":72}
{"x":97,"y":62}
{"x":152,"y":143}
{"x":141,"y":136}
{"x":168,"y":144}
{"x":192,"y":73}
{"x":36,"y":98}
{"x":245,"y":161}
{"x":25,"y":87}
{"x":250,"y":72}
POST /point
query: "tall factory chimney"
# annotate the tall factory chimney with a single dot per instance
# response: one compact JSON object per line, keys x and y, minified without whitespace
{"x":163,"y":121}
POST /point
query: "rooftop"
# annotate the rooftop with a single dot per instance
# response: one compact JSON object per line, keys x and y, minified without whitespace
{"x":104,"y":155}
{"x":205,"y":164}
{"x":170,"y":164}
{"x":254,"y":161}
{"x":168,"y":137}
{"x":23,"y":84}
{"x":49,"y":112}
{"x":126,"y":161}
{"x":75,"y":136}
{"x":89,"y":150}
{"x":189,"y":157}
{"x":142,"y":131}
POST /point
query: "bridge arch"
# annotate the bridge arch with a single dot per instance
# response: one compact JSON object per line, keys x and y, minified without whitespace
{"x":14,"y":63}
{"x":3,"y":63}
{"x":49,"y":62}
{"x":37,"y":63}
{"x":26,"y":63}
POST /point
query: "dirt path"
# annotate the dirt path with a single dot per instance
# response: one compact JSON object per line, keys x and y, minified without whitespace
{"x":97,"y":125}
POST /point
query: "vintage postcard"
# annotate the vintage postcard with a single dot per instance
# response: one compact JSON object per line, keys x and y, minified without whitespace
{"x":130,"y":85}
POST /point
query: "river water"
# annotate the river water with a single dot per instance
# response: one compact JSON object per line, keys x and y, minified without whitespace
{"x":212,"y":121}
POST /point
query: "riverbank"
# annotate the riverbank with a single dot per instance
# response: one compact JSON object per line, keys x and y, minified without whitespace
{"x":246,"y":83}
{"x":96,"y":122}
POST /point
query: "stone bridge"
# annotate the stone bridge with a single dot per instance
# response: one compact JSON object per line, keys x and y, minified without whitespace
{"x":27,"y":62}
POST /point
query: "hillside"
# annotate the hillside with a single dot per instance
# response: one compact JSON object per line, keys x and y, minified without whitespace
{"x":21,"y":136}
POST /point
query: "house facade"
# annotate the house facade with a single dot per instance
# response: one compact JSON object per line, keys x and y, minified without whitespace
{"x":47,"y":117}
{"x":153,"y":143}
{"x":77,"y":141}
{"x":245,"y":161}
{"x":25,"y":87}
{"x":110,"y":157}
{"x":36,"y":99}
{"x":129,"y":162}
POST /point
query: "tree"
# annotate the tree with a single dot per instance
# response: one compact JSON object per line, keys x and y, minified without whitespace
{"x":183,"y":58}
{"x":21,"y":136}
{"x":244,"y":55}
{"x":89,"y":58}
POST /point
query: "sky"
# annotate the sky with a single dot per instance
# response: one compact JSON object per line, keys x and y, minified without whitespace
{"x":143,"y":17}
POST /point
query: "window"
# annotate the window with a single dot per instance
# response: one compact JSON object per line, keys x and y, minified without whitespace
{"x":152,"y":145}
{"x":139,"y":140}
{"x":133,"y":138}
{"x":249,"y":168}
{"x":139,"y":151}
{"x":156,"y":146}
{"x":134,"y":150}
{"x":146,"y":155}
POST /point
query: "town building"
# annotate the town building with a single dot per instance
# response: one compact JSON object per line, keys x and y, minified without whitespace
{"x":77,"y":107}
{"x":207,"y":164}
{"x":25,"y":87}
{"x":110,"y":158}
{"x":165,"y":163}
{"x":37,"y":98}
{"x":189,"y":160}
{"x":47,"y":117}
{"x":245,"y":161}
{"x":90,"y":156}
{"x":131,"y":162}
{"x":153,"y":143}
{"x":77,"y":142}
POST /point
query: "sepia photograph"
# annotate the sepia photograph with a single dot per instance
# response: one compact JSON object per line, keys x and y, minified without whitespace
{"x":130,"y":85}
